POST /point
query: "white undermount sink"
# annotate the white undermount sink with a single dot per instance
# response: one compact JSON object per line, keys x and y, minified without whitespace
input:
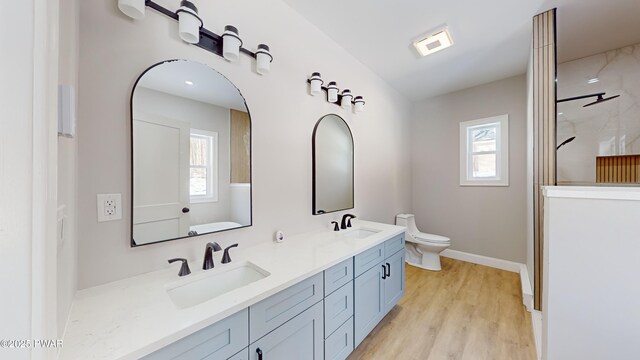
{"x":212,"y":283}
{"x":360,"y":233}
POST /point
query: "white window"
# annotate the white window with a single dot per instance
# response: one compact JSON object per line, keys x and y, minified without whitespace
{"x":203,"y":166}
{"x":484,"y":152}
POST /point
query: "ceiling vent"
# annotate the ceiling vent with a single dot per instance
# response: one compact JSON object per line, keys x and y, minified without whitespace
{"x":435,"y":42}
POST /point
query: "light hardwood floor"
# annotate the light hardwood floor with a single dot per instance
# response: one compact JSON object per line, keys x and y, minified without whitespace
{"x":466,"y":311}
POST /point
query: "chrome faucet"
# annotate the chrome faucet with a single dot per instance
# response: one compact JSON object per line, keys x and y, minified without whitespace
{"x":346,"y":221}
{"x":208,"y":255}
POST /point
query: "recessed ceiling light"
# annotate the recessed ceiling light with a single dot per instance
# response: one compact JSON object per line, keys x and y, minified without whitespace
{"x":434,"y":42}
{"x":188,"y":82}
{"x":593,"y":81}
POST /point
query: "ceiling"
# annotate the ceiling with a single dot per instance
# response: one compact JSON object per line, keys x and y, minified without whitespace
{"x":491,"y":38}
{"x":209,"y":86}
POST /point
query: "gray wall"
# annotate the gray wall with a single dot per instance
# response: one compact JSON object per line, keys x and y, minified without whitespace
{"x":115,"y":50}
{"x":489,"y":221}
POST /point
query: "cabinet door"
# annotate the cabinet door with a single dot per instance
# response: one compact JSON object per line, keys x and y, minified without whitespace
{"x":369,"y":301}
{"x":394,"y":282}
{"x":300,"y":338}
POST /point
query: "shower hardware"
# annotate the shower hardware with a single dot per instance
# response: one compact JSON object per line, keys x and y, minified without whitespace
{"x":566,"y":142}
{"x":600,"y":98}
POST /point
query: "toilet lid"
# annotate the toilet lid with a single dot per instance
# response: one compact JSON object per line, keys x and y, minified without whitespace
{"x":431,"y":238}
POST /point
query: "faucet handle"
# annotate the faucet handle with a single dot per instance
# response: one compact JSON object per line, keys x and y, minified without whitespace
{"x":184,"y":269}
{"x":349,"y":221}
{"x":225,"y":257}
{"x":335,"y":226}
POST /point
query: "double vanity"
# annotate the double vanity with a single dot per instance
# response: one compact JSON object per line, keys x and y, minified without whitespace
{"x":315,"y":296}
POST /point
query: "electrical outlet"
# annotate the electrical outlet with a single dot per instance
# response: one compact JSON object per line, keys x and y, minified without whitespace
{"x":109,"y":207}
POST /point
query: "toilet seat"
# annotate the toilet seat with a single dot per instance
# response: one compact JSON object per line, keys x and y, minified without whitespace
{"x":430,"y":238}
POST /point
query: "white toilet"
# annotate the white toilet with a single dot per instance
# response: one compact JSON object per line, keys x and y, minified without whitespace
{"x":422,"y":249}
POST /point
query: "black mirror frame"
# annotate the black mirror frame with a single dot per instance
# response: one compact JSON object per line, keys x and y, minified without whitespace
{"x":133,"y":90}
{"x":314,"y":211}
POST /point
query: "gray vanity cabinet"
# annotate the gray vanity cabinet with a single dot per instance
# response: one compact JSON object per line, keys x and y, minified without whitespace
{"x":394,"y":282}
{"x":300,"y":338}
{"x":379,"y":284}
{"x":369,"y":301}
{"x":323,"y":317}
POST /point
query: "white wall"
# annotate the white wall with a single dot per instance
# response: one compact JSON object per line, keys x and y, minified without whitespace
{"x":114,"y":50}
{"x":202,"y":116}
{"x":530,"y":261}
{"x":489,"y":221}
{"x":591,"y":291}
{"x":28,"y":155}
{"x":67,"y":167}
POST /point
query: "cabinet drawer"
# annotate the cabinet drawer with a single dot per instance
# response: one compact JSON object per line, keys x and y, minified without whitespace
{"x":337,"y":276}
{"x":394,"y":245}
{"x":338,"y":307}
{"x":283,"y":306}
{"x":216,"y":342}
{"x":368,"y":259}
{"x":340,"y":344}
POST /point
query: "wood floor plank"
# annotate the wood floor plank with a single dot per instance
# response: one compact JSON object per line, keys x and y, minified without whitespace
{"x":464,"y":312}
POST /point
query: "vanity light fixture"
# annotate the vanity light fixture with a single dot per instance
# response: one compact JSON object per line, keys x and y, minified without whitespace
{"x":346,"y":99}
{"x":231,"y":43}
{"x":434,"y":42}
{"x":316,"y":83}
{"x":263,"y":59}
{"x":358,"y":102}
{"x":189,"y":23}
{"x":332,"y":92}
{"x":191,"y":30}
{"x":132,"y":8}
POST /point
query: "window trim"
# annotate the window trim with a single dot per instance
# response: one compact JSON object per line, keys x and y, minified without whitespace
{"x":502,"y":152}
{"x":212,"y":167}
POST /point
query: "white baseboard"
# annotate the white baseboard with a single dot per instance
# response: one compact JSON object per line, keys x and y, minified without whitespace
{"x":482,"y":260}
{"x":527,"y":292}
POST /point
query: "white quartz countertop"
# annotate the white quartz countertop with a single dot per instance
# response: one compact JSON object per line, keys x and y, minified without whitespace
{"x":134,"y":317}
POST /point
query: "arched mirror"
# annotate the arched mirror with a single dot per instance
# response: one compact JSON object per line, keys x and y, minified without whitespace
{"x":191,"y":153}
{"x":332,"y":165}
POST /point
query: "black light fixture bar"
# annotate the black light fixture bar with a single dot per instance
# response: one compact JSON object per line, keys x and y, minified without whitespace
{"x":581,"y":97}
{"x":209,"y":40}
